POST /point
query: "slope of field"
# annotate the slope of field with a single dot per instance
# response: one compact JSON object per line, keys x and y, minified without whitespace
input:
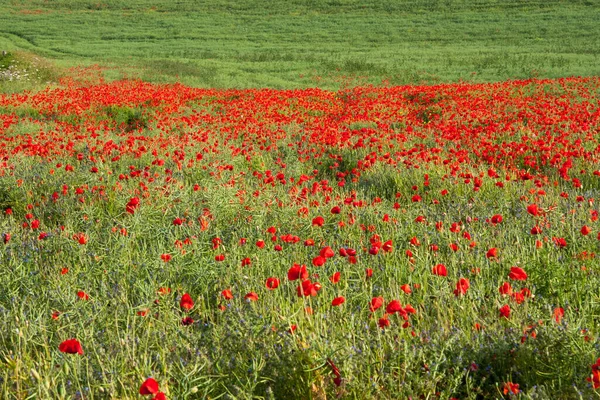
{"x":393,"y":242}
{"x":311,"y":43}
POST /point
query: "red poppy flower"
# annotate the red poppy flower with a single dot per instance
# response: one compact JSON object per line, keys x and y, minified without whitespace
{"x":369,"y":272}
{"x":133,"y":203}
{"x":160,"y":396}
{"x":186,"y":302}
{"x":440,"y":270}
{"x":150,"y":386}
{"x":297,"y":272}
{"x":505,"y":311}
{"x":165,"y":257}
{"x":595,"y":378}
{"x":406,"y":288}
{"x":376,"y":302}
{"x":586,"y":230}
{"x":558,"y":314}
{"x":307,"y":288}
{"x":536,"y":230}
{"x":335,"y":210}
{"x":492,"y":253}
{"x":251,"y":296}
{"x":164,"y":290}
{"x":318,"y":261}
{"x":83,"y":295}
{"x":272,"y":283}
{"x":185,"y":321}
{"x":335,"y":278}
{"x":383,"y":322}
{"x":71,"y":346}
{"x":461,"y":287}
{"x":505,"y":289}
{"x":318,"y":221}
{"x":454,"y":247}
{"x":260,"y":244}
{"x":517,"y":274}
{"x":338,"y":301}
{"x":373,"y":250}
{"x":512,"y":388}
{"x":518,"y":297}
{"x":227,"y":294}
{"x":327,"y":252}
{"x":387,"y":246}
{"x":559,"y":242}
{"x":533,"y":209}
{"x":496,"y":219}
{"x":81,"y":238}
{"x":393,"y":307}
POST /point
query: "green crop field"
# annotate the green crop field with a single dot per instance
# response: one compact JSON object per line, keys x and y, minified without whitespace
{"x":330,"y":44}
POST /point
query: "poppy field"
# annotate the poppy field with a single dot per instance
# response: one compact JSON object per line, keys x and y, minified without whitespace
{"x":423,"y":242}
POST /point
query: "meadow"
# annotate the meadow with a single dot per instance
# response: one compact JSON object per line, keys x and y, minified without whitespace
{"x":374,"y":242}
{"x":308,"y":200}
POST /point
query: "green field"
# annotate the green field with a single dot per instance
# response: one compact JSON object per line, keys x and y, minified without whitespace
{"x":317,"y":199}
{"x":322,"y":43}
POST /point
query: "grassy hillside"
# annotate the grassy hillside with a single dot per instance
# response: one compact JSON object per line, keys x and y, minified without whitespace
{"x":311,"y":43}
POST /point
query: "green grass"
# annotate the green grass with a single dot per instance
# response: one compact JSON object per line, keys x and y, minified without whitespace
{"x":311,"y":43}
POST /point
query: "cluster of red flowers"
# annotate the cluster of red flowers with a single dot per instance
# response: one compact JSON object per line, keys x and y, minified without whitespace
{"x":349,"y":155}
